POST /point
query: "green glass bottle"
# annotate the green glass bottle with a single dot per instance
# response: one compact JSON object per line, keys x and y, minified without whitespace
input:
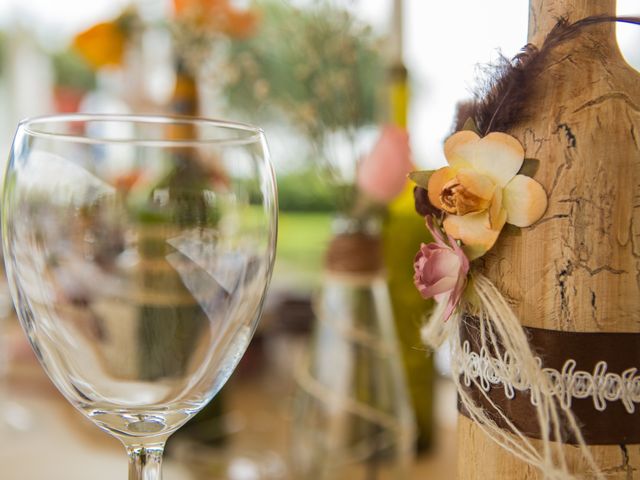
{"x":402,"y":233}
{"x":403,"y":230}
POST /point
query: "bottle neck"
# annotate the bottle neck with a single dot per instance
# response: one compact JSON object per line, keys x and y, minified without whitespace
{"x":185,"y":94}
{"x":184,"y":101}
{"x":544,"y":14}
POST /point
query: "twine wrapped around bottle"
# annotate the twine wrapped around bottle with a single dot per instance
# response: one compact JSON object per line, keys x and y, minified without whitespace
{"x":498,"y":331}
{"x":355,"y":253}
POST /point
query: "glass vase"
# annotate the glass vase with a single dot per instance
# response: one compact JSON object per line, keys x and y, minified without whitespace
{"x":352,"y":414}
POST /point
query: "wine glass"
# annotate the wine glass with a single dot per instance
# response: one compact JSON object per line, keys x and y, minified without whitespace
{"x":139,"y":250}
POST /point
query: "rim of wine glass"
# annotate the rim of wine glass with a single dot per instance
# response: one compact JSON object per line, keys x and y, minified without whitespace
{"x":254,"y":134}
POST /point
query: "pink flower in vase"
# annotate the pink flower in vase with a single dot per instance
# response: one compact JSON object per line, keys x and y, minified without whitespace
{"x":382,"y":174}
{"x":441,"y":270}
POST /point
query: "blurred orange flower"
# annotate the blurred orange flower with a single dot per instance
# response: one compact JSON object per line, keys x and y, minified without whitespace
{"x":218,"y":14}
{"x":101,"y":45}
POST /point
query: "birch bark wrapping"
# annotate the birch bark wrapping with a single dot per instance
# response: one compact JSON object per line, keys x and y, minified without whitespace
{"x":578,"y":268}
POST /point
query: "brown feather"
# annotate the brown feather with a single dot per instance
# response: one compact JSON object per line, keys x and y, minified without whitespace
{"x":499,"y":103}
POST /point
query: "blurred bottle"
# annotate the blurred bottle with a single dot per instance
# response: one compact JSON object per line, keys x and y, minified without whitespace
{"x":207,"y":426}
{"x":402,"y":233}
{"x":352,"y":414}
{"x":403,"y":230}
{"x":399,"y":93}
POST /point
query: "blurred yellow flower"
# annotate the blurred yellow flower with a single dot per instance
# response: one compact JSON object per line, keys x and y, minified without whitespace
{"x":101,"y":45}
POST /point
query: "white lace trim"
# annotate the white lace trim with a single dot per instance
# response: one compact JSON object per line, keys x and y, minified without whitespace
{"x":566,"y":384}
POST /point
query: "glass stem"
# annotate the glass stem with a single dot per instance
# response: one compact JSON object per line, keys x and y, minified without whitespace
{"x":145,"y":461}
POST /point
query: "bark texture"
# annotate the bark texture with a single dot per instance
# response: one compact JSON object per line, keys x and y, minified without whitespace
{"x":578,"y":268}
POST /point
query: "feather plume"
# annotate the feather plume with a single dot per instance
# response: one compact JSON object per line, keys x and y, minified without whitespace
{"x":499,"y":103}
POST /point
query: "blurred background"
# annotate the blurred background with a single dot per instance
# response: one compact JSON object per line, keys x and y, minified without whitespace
{"x":333,"y":84}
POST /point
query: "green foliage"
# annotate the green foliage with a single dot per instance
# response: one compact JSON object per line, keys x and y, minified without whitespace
{"x":72,"y":71}
{"x":302,"y":242}
{"x":305,"y":192}
{"x":318,"y":67}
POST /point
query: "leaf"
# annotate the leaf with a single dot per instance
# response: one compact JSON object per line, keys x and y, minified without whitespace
{"x":470,"y":124}
{"x":511,"y":230}
{"x":529,"y":167}
{"x":421,"y":177}
{"x":473,"y":252}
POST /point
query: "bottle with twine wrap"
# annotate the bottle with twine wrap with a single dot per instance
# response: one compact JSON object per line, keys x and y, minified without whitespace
{"x":352,"y":415}
{"x":572,"y":278}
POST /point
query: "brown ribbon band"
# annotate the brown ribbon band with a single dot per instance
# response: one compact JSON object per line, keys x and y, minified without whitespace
{"x":612,"y":426}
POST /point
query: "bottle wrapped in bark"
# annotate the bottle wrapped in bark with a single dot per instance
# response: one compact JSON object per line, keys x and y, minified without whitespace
{"x":576,"y":270}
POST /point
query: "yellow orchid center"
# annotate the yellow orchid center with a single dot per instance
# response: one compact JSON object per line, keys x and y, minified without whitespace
{"x":458,"y":199}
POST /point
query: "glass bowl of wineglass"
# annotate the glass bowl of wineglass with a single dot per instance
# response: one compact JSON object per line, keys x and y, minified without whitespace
{"x":139,"y":250}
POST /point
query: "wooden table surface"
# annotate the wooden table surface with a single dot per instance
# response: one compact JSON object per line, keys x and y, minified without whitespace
{"x":50,"y":439}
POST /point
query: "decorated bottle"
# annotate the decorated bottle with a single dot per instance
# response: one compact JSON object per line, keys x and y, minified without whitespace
{"x":573,"y":277}
{"x":352,"y":413}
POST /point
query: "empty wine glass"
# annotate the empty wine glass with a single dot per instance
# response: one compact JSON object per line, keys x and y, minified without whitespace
{"x":139,"y":250}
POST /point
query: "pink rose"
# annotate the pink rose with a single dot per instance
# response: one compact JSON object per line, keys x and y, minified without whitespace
{"x":383,"y":173}
{"x":441,"y":270}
